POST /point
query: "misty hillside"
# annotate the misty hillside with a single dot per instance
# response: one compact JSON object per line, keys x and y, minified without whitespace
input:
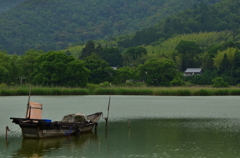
{"x":55,"y":24}
{"x":6,"y":5}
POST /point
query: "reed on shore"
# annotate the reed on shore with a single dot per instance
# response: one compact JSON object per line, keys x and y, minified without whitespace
{"x":155,"y":91}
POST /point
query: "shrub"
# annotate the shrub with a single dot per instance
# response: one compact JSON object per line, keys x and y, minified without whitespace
{"x":218,"y":82}
{"x":3,"y":85}
{"x":92,"y":86}
{"x":177,"y":82}
{"x":105,"y":84}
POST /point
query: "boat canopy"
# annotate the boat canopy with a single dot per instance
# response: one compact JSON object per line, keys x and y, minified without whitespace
{"x":75,"y":118}
{"x":34,"y":110}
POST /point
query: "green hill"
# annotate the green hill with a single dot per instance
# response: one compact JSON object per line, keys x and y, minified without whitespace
{"x":223,"y":16}
{"x":56,"y":24}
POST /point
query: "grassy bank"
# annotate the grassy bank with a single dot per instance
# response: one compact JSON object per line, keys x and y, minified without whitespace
{"x":156,"y":91}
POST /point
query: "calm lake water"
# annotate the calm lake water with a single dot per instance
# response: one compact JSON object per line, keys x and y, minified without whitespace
{"x":160,"y":127}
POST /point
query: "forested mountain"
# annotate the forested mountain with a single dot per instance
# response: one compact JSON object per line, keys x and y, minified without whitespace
{"x":6,"y":5}
{"x":54,"y":24}
{"x":204,"y":36}
{"x":203,"y":18}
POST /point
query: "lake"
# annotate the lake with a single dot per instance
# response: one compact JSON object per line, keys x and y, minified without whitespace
{"x":139,"y":126}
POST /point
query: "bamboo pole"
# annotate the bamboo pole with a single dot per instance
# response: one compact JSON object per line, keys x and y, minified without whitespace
{"x":28,"y":101}
{"x":106,"y":119}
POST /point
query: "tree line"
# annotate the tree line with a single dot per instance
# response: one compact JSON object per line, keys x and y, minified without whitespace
{"x":95,"y":65}
{"x":56,"y":68}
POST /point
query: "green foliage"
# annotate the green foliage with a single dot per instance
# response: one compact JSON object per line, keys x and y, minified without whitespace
{"x":136,"y":52}
{"x":76,"y":74}
{"x":53,"y":25}
{"x":100,"y":71}
{"x":219,"y":82}
{"x":26,"y":63}
{"x":105,"y":84}
{"x":88,"y":50}
{"x":177,"y":82}
{"x":224,"y":59}
{"x":3,"y":85}
{"x":111,"y":55}
{"x":202,"y":18}
{"x":188,"y":50}
{"x":159,"y":72}
{"x":205,"y":78}
{"x":204,"y":39}
{"x":9,"y":68}
{"x":92,"y":86}
{"x":124,"y":74}
{"x":58,"y":69}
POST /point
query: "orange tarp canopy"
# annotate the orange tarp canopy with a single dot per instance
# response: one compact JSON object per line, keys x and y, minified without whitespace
{"x":34,"y":110}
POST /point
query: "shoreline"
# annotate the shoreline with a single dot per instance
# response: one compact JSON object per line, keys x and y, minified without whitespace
{"x":154,"y":91}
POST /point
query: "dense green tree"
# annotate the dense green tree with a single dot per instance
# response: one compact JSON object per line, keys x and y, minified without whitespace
{"x":159,"y":72}
{"x":26,"y":63}
{"x":236,"y":66}
{"x":189,"y":50}
{"x":225,"y":65}
{"x":100,"y":71}
{"x":111,"y":55}
{"x":205,"y":78}
{"x":136,"y":52}
{"x":55,"y":68}
{"x":124,"y":74}
{"x":76,"y":74}
{"x":10,"y":68}
{"x":177,"y":81}
{"x":219,"y":82}
{"x":88,"y":50}
{"x":3,"y":74}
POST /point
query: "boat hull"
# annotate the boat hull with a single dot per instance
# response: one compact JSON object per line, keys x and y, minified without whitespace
{"x":33,"y":131}
{"x":38,"y":128}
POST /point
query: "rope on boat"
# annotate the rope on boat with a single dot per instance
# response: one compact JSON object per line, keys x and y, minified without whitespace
{"x":68,"y":132}
{"x":10,"y":131}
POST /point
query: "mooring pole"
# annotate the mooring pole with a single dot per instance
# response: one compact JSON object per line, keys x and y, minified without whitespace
{"x":106,"y":119}
{"x":7,"y":129}
{"x":129,"y":123}
{"x":28,"y":102}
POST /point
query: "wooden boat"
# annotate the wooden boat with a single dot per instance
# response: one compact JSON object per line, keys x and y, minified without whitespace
{"x":33,"y":126}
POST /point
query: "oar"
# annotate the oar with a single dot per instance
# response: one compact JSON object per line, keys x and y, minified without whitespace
{"x":28,"y":101}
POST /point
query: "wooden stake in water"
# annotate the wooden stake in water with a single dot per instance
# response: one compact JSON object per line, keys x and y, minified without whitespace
{"x":106,"y":119}
{"x":7,"y":129}
{"x":28,"y":102}
{"x":129,"y":123}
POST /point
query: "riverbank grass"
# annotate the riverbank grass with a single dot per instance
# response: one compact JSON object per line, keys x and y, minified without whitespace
{"x":155,"y":91}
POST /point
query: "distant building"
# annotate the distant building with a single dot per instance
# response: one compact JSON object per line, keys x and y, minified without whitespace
{"x":193,"y":71}
{"x":114,"y":68}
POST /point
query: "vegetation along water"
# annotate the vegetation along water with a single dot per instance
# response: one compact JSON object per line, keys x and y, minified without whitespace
{"x":163,"y":91}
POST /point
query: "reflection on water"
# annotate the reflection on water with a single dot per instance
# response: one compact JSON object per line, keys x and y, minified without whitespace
{"x":145,"y":138}
{"x":178,"y":127}
{"x":34,"y":148}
